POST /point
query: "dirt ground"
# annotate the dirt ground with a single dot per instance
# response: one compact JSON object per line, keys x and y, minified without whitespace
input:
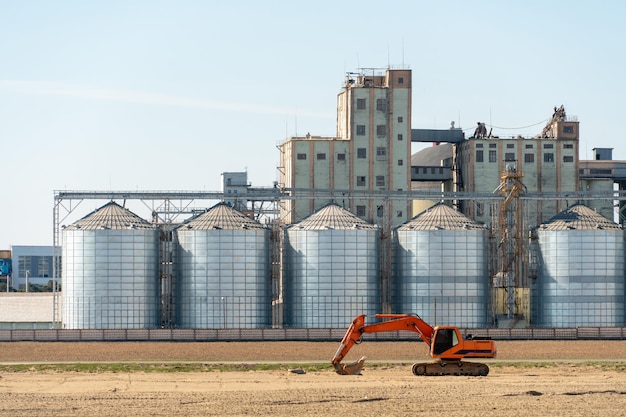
{"x":574,"y":386}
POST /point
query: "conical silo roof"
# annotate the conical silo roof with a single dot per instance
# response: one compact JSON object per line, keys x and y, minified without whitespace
{"x":332,"y":216}
{"x":441,"y":217}
{"x":111,"y":216}
{"x":222,"y":216}
{"x":579,"y":217}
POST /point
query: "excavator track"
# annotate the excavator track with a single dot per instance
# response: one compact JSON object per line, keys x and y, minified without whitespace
{"x":455,"y":368}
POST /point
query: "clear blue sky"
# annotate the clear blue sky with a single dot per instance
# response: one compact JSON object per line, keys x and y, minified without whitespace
{"x":155,"y":95}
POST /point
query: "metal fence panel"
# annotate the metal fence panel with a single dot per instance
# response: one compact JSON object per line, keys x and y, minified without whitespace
{"x":160,"y":334}
{"x":92,"y":335}
{"x":115,"y":334}
{"x":22,"y":335}
{"x":274,"y":334}
{"x":183,"y":335}
{"x":296,"y":334}
{"x":46,"y":335}
{"x":203,"y":335}
{"x":68,"y":335}
{"x":611,"y":332}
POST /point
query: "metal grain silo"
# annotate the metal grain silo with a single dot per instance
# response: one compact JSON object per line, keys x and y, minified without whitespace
{"x":110,"y":271}
{"x":580,"y":280}
{"x":440,"y":269}
{"x":224,"y":271}
{"x":331,"y":269}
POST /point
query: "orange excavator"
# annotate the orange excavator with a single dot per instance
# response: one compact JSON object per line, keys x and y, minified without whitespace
{"x":445,"y":343}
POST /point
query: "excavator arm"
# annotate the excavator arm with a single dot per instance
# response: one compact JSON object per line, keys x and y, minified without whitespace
{"x":357,"y":328}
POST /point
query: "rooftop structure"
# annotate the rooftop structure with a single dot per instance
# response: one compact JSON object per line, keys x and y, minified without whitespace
{"x":441,"y":217}
{"x":110,"y":216}
{"x":222,"y":216}
{"x":333,"y":216}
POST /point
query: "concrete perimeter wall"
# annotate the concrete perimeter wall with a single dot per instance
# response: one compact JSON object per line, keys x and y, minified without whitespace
{"x":269,"y":335}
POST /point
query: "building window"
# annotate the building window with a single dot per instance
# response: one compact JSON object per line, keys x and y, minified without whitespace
{"x":493,"y":145}
{"x":510,"y":146}
{"x":479,"y":145}
{"x":381,"y":130}
{"x":529,"y":158}
{"x":479,"y":156}
{"x":568,"y":129}
{"x":568,"y":158}
{"x":400,"y":119}
{"x":548,"y":146}
{"x":24,"y":264}
{"x":400,"y":137}
{"x":380,"y":211}
{"x":381,"y":153}
{"x":360,"y":104}
{"x":380,"y":180}
{"x":360,"y":130}
{"x":321,"y":156}
{"x":360,"y":181}
{"x":301,"y":156}
{"x":43,"y":267}
{"x":568,"y":146}
{"x":493,"y":156}
{"x":361,"y":153}
{"x":400,"y":80}
{"x":399,"y":213}
{"x":509,"y":156}
{"x":381,"y":104}
{"x":480,"y":209}
{"x":341,"y":157}
{"x":360,"y":211}
{"x":548,"y":157}
{"x":400,"y":162}
{"x":529,"y":146}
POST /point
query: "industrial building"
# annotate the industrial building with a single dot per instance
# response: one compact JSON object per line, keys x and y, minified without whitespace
{"x":370,"y":153}
{"x":479,"y":232}
{"x":25,"y":266}
{"x":545,"y":163}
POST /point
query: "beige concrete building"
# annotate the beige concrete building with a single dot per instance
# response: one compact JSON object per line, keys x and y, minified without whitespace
{"x":546,"y":163}
{"x":370,"y":154}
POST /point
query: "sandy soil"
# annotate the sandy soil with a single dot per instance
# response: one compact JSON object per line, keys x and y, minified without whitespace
{"x":571,"y":388}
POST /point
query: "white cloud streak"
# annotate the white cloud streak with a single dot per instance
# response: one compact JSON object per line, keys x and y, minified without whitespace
{"x":142,"y":97}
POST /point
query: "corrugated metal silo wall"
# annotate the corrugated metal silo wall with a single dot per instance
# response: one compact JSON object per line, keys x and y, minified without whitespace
{"x":110,"y":279}
{"x":580,"y":279}
{"x":223,"y":279}
{"x":330,"y":277}
{"x":442,"y":275}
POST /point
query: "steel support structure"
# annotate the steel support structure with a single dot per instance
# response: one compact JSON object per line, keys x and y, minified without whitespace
{"x":170,"y":208}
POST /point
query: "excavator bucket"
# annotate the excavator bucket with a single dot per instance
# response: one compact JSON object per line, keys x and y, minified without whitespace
{"x":353,"y":368}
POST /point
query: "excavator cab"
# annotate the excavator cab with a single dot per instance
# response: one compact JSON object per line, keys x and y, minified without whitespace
{"x":443,"y":339}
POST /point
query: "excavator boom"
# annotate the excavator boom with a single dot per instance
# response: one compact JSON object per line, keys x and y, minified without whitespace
{"x":445,"y":344}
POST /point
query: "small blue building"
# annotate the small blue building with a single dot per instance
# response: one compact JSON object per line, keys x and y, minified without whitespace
{"x":33,"y":264}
